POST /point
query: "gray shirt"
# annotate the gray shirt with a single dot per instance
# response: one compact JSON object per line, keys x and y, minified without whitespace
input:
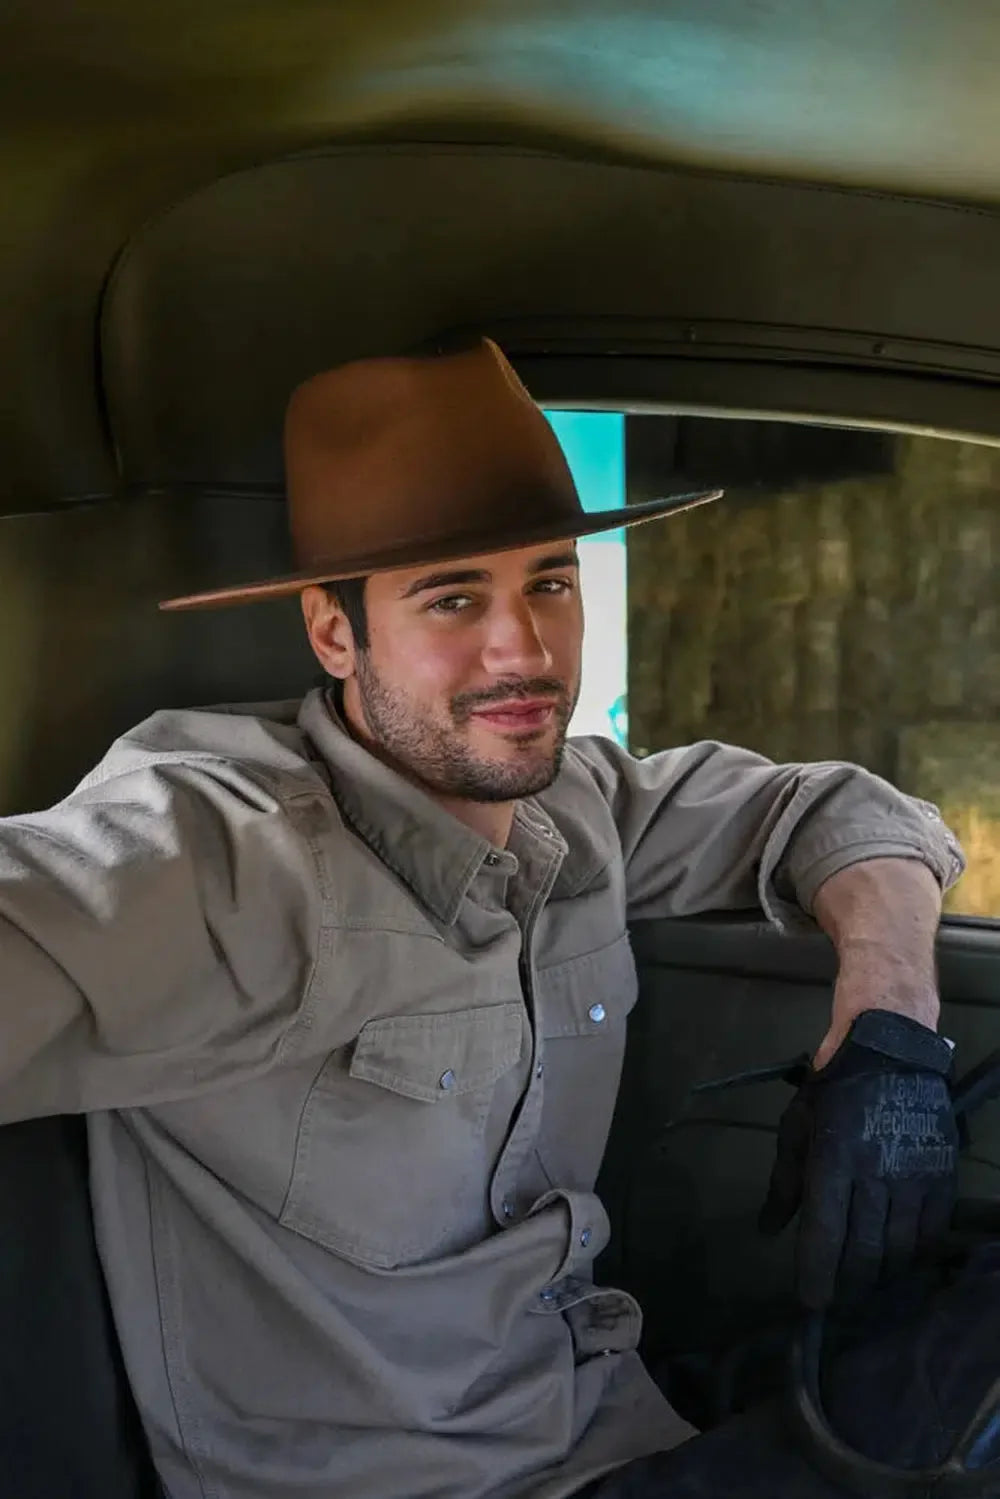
{"x":350,"y":1073}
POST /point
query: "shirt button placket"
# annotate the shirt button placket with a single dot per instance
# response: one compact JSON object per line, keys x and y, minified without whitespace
{"x":525,"y":1132}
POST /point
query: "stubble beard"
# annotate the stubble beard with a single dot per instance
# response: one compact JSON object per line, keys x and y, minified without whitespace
{"x":438,"y":757}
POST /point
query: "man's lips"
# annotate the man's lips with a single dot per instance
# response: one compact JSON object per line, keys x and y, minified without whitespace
{"x":518,"y":713}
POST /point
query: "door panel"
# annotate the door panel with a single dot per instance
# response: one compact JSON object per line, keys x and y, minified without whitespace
{"x":716,"y":997}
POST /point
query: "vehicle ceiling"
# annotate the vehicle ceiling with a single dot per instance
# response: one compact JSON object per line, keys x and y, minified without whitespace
{"x":113,"y":110}
{"x":882,"y":93}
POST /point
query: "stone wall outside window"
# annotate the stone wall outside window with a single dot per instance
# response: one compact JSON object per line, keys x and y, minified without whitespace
{"x":827,"y":608}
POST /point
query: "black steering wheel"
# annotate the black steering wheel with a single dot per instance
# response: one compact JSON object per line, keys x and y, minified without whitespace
{"x":971,"y":1469}
{"x":962,"y":1474}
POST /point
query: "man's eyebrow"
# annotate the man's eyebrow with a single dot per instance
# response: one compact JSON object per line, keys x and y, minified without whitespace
{"x":444,"y":580}
{"x":556,"y":560}
{"x":458,"y":577}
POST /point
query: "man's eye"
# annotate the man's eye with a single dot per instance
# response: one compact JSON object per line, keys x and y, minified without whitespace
{"x":554,"y":585}
{"x":452,"y":603}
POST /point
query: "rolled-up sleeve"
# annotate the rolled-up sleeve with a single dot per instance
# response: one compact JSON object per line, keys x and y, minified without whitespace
{"x":712,"y":827}
{"x":155,"y":928}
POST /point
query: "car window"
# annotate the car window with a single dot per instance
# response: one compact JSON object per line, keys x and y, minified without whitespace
{"x":841,"y":602}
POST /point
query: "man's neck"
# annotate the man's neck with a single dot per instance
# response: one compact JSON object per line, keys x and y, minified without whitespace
{"x":491,"y":820}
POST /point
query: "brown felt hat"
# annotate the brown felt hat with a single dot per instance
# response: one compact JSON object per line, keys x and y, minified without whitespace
{"x":397,"y":462}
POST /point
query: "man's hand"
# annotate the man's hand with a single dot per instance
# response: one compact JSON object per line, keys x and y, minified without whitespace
{"x":866,"y":1155}
{"x":867,"y":1149}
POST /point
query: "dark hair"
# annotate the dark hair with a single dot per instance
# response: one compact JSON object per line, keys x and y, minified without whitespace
{"x":349,"y":593}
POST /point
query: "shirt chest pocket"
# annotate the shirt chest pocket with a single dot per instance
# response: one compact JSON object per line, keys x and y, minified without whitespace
{"x":583,"y":1005}
{"x":391,"y":1164}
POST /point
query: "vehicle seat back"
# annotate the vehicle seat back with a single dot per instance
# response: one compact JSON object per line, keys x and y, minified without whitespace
{"x":68,"y":1425}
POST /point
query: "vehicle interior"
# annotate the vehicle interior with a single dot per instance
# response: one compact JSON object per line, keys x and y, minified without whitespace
{"x":767,"y":237}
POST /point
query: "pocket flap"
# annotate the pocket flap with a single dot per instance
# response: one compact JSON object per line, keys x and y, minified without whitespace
{"x":434,"y":1057}
{"x":603,"y":980}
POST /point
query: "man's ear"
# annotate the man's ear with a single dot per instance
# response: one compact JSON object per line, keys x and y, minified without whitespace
{"x":329,"y":631}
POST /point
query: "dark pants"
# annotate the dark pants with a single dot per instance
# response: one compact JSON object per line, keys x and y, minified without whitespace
{"x":748,"y":1458}
{"x":901,"y":1396}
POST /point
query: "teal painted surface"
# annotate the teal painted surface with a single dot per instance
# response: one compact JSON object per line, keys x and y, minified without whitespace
{"x":594,"y":444}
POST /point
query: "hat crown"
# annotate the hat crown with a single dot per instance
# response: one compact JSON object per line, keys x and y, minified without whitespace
{"x":395,"y":453}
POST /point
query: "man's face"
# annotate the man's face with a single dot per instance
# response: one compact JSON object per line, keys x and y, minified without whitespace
{"x":472,"y":671}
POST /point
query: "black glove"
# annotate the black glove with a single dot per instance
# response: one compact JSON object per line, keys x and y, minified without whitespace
{"x":867,"y":1155}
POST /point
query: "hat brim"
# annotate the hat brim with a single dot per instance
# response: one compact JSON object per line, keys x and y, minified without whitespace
{"x":417,"y":551}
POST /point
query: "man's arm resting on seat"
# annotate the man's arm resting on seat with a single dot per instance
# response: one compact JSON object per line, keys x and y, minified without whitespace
{"x":144,"y":921}
{"x":867,"y":1147}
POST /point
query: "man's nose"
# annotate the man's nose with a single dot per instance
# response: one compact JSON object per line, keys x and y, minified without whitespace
{"x":514,"y":642}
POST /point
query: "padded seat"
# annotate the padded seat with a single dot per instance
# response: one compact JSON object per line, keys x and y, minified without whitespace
{"x":68,"y":1425}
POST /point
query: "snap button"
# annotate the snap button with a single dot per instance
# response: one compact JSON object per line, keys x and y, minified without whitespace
{"x":447,"y":1080}
{"x":597,"y":1013}
{"x":507,"y":1208}
{"x":585,"y":1237}
{"x":547,"y":1295}
{"x":539,"y":1069}
{"x":492,"y":860}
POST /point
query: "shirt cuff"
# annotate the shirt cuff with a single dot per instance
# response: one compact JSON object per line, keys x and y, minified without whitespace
{"x":788,"y":894}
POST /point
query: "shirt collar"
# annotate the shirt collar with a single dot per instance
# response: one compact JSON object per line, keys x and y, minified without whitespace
{"x":436,"y":855}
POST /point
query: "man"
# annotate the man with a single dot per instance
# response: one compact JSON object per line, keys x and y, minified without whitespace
{"x":343,"y":986}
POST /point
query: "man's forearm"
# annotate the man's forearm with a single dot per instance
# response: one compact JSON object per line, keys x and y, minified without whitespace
{"x":882,"y":916}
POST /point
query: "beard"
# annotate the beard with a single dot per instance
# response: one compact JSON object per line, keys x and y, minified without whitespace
{"x":437,"y":755}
